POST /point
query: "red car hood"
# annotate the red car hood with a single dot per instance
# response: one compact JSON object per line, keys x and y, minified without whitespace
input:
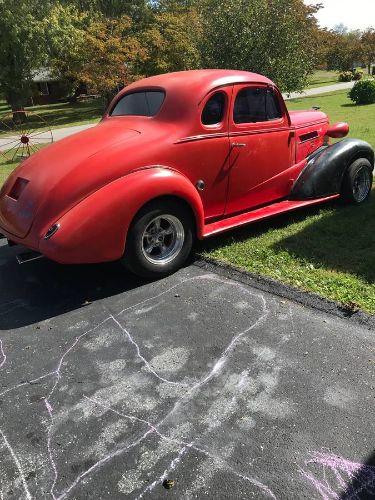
{"x":63,"y":173}
{"x":303,"y":118}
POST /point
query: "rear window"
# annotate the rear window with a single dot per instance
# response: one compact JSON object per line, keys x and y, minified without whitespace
{"x":145,"y":103}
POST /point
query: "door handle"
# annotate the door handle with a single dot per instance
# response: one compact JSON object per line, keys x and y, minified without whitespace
{"x":238,"y":145}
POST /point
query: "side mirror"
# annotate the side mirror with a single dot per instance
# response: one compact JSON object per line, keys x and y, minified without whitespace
{"x":338,"y":130}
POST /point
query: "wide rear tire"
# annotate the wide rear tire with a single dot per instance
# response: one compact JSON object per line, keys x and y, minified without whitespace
{"x":357,"y":183}
{"x":159,"y":240}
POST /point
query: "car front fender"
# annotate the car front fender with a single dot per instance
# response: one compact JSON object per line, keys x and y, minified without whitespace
{"x":325,"y":170}
{"x":95,"y":229}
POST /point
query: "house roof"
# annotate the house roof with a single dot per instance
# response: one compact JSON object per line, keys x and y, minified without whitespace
{"x":43,"y":75}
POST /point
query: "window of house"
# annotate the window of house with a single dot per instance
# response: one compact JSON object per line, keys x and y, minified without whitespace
{"x":146,"y":103}
{"x":256,"y":104}
{"x":213,"y":111}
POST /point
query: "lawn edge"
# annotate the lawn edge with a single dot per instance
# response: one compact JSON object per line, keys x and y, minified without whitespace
{"x":270,"y":285}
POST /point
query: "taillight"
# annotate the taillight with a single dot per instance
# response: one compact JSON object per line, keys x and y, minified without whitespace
{"x":18,"y":188}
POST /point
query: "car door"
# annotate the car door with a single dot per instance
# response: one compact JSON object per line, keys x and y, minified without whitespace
{"x":261,"y":148}
{"x":203,"y":153}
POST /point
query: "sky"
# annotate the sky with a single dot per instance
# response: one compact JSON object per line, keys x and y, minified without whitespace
{"x":355,"y":14}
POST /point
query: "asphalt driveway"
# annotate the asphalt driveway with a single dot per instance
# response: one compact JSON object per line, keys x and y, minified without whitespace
{"x":110,"y":386}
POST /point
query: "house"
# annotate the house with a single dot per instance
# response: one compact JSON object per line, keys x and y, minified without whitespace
{"x":47,"y":88}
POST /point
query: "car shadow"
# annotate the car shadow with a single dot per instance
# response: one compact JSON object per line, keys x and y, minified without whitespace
{"x":258,"y":228}
{"x":362,"y":485}
{"x":43,"y":289}
{"x":342,"y":240}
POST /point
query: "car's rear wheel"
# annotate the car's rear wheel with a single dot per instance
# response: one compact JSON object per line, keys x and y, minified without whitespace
{"x":357,"y":182}
{"x":160,"y":239}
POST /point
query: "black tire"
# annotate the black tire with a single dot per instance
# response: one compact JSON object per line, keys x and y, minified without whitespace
{"x":135,"y":259}
{"x":357,"y":182}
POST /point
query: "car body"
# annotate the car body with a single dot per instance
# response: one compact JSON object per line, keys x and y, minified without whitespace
{"x":219,"y":144}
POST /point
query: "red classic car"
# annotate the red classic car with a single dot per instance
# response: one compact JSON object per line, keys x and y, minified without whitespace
{"x":177,"y":157}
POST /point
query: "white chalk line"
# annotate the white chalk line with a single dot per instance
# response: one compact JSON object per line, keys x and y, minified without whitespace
{"x":155,"y":428}
{"x":145,"y":362}
{"x":18,"y":465}
{"x":171,"y":467}
{"x":28,"y":382}
{"x":57,"y":373}
{"x":3,"y":355}
{"x":216,"y":369}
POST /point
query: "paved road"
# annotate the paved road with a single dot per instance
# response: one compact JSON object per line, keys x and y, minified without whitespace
{"x":60,"y":133}
{"x":12,"y":141}
{"x":109,"y":386}
{"x":319,"y":90}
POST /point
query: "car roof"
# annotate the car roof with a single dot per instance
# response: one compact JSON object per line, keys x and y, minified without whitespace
{"x":198,"y":81}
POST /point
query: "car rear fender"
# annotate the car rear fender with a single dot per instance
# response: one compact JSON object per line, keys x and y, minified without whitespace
{"x":95,"y":229}
{"x":324,"y":171}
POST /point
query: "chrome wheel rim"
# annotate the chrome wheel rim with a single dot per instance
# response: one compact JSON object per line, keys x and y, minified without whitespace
{"x":361,"y":185}
{"x":163,"y":239}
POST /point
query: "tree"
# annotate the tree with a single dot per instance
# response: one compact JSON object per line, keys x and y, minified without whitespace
{"x":22,"y":47}
{"x":138,"y":10}
{"x":326,"y":39}
{"x":344,"y":50}
{"x":290,"y":35}
{"x":101,"y":52}
{"x":273,"y":37}
{"x":172,"y":40}
{"x":368,"y":47}
{"x":112,"y":55}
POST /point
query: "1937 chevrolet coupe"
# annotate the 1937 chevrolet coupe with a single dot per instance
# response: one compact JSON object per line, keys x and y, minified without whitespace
{"x":177,"y":157}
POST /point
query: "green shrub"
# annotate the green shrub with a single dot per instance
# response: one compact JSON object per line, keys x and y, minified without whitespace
{"x":363,"y":92}
{"x":346,"y":76}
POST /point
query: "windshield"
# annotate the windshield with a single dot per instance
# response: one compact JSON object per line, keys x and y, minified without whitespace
{"x":145,"y":103}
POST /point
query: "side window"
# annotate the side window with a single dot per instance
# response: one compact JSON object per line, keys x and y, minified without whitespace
{"x":256,"y":104}
{"x":213,"y":111}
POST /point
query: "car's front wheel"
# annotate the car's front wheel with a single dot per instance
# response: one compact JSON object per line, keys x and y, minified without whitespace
{"x":160,"y":239}
{"x":357,"y":182}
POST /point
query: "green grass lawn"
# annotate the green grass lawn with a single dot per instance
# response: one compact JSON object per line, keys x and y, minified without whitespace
{"x":62,"y":114}
{"x":56,"y":116}
{"x":340,"y":108}
{"x":328,"y":250}
{"x":6,"y":167}
{"x":8,"y":162}
{"x":320,"y":78}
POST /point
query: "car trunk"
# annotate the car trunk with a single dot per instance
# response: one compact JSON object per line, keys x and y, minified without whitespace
{"x":28,"y":186}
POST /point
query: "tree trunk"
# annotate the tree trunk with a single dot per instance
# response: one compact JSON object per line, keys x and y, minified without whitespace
{"x":17,"y":106}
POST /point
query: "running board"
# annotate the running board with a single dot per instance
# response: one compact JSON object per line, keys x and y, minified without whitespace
{"x":23,"y":258}
{"x":261,"y":214}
